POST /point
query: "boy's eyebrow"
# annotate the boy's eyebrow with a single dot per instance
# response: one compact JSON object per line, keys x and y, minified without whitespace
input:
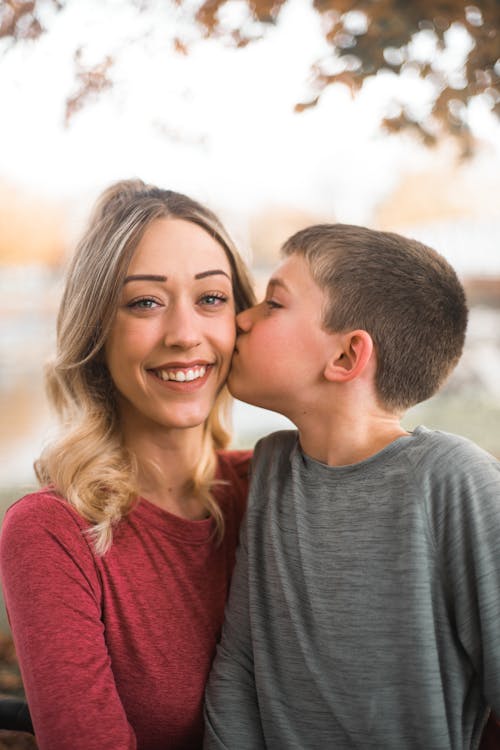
{"x":155,"y":277}
{"x":276,"y":281}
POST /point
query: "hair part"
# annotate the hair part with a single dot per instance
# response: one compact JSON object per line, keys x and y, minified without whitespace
{"x":89,"y":465}
{"x":403,"y":293}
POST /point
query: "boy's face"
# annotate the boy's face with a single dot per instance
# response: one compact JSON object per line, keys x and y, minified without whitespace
{"x":282,"y":348}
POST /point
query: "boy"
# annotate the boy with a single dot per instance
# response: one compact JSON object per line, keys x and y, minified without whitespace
{"x":365,"y":605}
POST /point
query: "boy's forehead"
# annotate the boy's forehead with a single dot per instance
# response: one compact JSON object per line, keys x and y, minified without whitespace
{"x":292,"y":275}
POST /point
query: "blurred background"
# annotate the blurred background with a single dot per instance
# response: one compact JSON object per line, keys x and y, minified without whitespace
{"x":276,"y":114}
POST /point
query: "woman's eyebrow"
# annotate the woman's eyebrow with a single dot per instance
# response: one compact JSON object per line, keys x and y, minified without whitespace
{"x":215,"y":272}
{"x":144,"y":277}
{"x":154,"y":277}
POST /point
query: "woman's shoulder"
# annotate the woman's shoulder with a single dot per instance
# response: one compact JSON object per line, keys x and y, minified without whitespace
{"x":42,"y":541}
{"x":234,"y":463}
{"x":234,"y":476}
{"x":39,"y":513}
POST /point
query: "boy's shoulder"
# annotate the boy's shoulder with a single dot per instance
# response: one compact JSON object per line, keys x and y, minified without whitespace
{"x":426,"y":453}
{"x":275,"y":445}
{"x":458,"y":485}
{"x":445,"y":452}
{"x":456,"y":481}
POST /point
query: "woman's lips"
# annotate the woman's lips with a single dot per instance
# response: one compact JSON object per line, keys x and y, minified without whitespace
{"x":184,"y":378}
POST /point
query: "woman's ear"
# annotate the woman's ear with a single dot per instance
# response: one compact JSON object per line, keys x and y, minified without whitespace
{"x":352,"y":354}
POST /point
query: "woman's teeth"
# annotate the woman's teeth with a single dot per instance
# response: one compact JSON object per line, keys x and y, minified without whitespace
{"x":181,"y":375}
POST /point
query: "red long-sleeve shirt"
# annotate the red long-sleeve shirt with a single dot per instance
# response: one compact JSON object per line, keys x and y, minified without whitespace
{"x":115,"y":650}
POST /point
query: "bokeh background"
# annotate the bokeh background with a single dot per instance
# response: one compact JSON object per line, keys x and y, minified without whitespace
{"x":275,"y":114}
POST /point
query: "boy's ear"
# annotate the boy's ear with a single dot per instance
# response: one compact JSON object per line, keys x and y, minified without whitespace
{"x":351,"y":356}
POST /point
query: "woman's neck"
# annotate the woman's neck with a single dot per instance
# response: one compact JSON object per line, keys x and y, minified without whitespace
{"x":166,"y":461}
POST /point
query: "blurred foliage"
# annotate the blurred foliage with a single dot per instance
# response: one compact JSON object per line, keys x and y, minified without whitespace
{"x":10,"y":678}
{"x":11,"y":687}
{"x":369,"y":36}
{"x":17,"y":741}
{"x":364,"y":37}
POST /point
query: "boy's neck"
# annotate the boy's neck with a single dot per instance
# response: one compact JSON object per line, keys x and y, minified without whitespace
{"x":342,"y":441}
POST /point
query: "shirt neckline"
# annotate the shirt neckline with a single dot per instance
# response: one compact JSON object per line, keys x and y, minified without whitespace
{"x":381,"y":456}
{"x":194,"y":531}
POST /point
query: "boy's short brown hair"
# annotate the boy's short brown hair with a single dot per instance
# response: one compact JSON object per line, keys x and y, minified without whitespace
{"x":403,"y":293}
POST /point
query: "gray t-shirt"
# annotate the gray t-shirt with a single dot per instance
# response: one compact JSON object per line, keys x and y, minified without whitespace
{"x":365,"y":605}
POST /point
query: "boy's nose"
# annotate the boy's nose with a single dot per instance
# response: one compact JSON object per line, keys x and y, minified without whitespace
{"x":244,"y":320}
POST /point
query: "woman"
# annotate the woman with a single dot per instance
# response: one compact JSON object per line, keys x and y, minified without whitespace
{"x":116,"y":573}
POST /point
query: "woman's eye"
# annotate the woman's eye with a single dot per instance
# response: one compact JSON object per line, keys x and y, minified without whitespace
{"x":144,"y":303}
{"x":213,"y":299}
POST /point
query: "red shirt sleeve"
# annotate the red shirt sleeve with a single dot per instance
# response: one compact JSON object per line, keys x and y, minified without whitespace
{"x":53,"y":598}
{"x":491,"y":735}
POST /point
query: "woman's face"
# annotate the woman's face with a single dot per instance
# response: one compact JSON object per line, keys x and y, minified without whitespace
{"x":171,"y":342}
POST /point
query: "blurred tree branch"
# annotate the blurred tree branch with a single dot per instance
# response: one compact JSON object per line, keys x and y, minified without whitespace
{"x":364,"y":37}
{"x":21,"y":19}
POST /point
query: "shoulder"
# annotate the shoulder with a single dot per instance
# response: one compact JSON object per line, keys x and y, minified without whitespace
{"x":233,"y":475}
{"x":234,"y":463}
{"x":234,"y":471}
{"x":458,"y":482}
{"x":276,"y":447}
{"x":44,"y":549}
{"x":43,"y":507}
{"x":449,"y":456}
{"x":41,"y":520}
{"x":272,"y":462}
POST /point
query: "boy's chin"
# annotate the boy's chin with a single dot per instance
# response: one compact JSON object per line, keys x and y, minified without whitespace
{"x":242,"y":390}
{"x":234,"y":387}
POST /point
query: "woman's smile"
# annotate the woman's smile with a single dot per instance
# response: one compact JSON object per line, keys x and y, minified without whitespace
{"x":171,"y":343}
{"x":193,"y":374}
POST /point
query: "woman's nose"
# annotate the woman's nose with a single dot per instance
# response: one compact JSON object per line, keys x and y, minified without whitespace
{"x":181,"y":327}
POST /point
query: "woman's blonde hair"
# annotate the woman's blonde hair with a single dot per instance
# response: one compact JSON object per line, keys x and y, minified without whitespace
{"x":88,"y":464}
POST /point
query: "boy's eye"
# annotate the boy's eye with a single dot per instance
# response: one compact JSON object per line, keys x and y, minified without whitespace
{"x":272,"y":304}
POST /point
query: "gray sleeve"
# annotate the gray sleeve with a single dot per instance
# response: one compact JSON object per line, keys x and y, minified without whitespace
{"x":232,"y":720}
{"x":467,"y":532}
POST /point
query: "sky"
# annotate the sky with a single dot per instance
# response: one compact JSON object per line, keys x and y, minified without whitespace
{"x":217,"y":123}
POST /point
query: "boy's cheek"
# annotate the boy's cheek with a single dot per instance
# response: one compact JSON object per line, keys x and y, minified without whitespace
{"x":234,"y":383}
